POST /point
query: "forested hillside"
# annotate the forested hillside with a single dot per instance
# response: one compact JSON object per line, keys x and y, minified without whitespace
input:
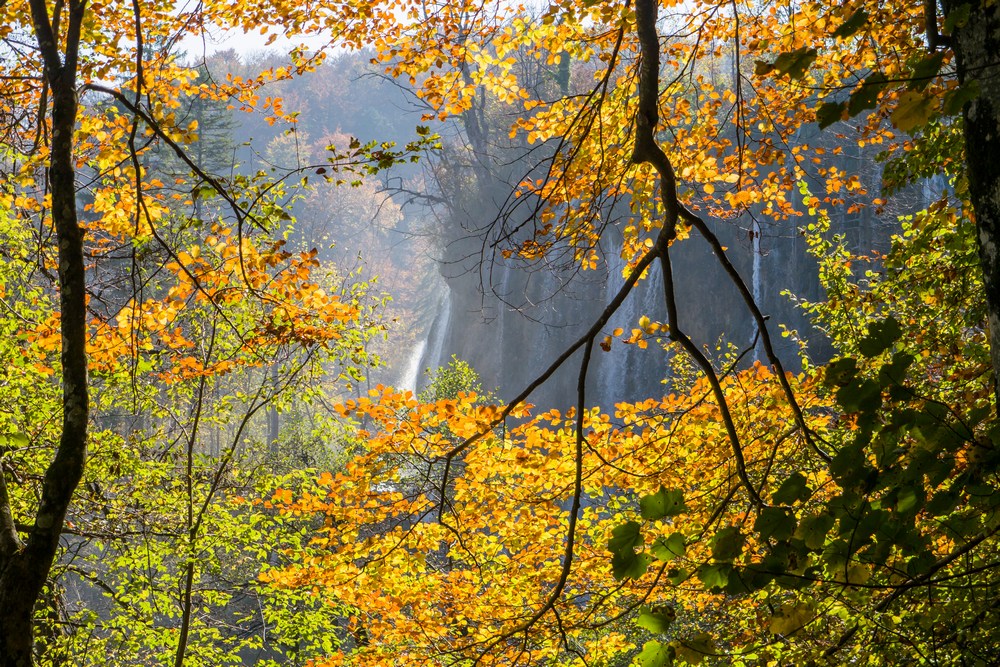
{"x":576,"y":333}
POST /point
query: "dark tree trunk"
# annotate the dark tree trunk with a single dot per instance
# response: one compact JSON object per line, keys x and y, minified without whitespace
{"x":977,"y":46}
{"x":25,"y":567}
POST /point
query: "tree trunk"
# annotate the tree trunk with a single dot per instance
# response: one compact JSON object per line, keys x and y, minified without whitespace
{"x":25,"y":568}
{"x":977,"y":44}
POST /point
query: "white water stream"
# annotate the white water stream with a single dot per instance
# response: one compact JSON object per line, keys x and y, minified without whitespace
{"x":755,"y":282}
{"x":411,"y":374}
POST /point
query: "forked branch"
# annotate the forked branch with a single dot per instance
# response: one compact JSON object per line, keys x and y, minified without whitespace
{"x":648,"y":150}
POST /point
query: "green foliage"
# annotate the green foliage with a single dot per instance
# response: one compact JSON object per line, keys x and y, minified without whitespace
{"x":626,"y":563}
{"x":656,"y":619}
{"x":793,"y":63}
{"x":668,"y":548}
{"x":896,"y":530}
{"x":135,"y":557}
{"x":655,"y":654}
{"x":662,"y":504}
{"x":449,"y":381}
{"x":174,"y":516}
{"x":913,"y":466}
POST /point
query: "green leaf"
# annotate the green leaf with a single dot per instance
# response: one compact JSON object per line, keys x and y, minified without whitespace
{"x":907,"y":499}
{"x":790,"y":618}
{"x":656,"y":619}
{"x":727,"y":544}
{"x":860,"y":396}
{"x":925,"y":70}
{"x":913,"y":111}
{"x":893,"y":373}
{"x":668,"y":548}
{"x":203,"y":191}
{"x":655,"y":654}
{"x":812,"y":530}
{"x":956,"y":99}
{"x":625,"y":538}
{"x":662,"y":503}
{"x":795,"y":63}
{"x":629,"y":566}
{"x":714,"y":577}
{"x":754,"y":578}
{"x":677,"y":576}
{"x":866,"y":96}
{"x":853,"y":24}
{"x":18,"y":440}
{"x":881,"y":336}
{"x":841,"y":372}
{"x":625,"y":562}
{"x":792,"y":489}
{"x":829,"y":113}
{"x":774,"y":522}
{"x":943,"y":502}
{"x":738,"y":583}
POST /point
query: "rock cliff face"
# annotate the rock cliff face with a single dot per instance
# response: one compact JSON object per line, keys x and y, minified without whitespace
{"x":528,"y":315}
{"x":511,"y":321}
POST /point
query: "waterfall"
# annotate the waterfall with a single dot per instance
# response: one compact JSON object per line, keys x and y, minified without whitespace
{"x":436,"y":336}
{"x":500,"y":372}
{"x":614,"y":376}
{"x":628,"y":372}
{"x":411,"y":374}
{"x":931,"y":189}
{"x":755,"y":280}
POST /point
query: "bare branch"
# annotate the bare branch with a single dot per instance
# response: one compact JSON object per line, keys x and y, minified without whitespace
{"x":761,"y":321}
{"x":586,"y":338}
{"x":702,"y":361}
{"x":648,"y":150}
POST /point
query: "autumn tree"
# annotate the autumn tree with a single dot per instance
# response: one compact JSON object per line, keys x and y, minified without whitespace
{"x":179,"y":283}
{"x":25,"y":566}
{"x":852,"y":506}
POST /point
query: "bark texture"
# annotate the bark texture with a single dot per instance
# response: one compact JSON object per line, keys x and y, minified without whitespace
{"x":977,"y":51}
{"x":24,"y":567}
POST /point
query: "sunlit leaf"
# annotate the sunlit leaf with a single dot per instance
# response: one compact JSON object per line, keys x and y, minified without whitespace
{"x":655,"y":654}
{"x":656,"y":619}
{"x":668,"y":548}
{"x":913,"y":110}
{"x":662,"y":504}
{"x":866,"y":96}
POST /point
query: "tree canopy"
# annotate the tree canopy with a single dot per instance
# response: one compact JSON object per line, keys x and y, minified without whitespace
{"x":158,"y":308}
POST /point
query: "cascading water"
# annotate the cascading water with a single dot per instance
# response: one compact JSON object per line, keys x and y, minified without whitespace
{"x":614,"y":372}
{"x":504,"y":310}
{"x":433,"y":352}
{"x":755,"y":280}
{"x":629,"y":372}
{"x":411,"y":374}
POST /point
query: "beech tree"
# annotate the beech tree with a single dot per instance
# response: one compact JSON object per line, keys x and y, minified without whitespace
{"x":25,"y":566}
{"x":974,"y":34}
{"x":91,"y":92}
{"x":853,"y":505}
{"x":859,"y":517}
